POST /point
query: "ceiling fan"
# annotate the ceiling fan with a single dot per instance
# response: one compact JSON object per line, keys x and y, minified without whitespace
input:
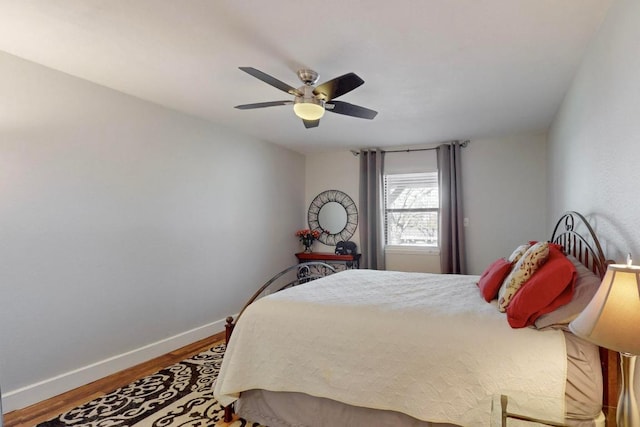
{"x":311,"y":101}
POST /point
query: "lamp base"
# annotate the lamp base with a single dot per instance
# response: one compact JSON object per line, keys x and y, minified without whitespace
{"x":627,"y":414}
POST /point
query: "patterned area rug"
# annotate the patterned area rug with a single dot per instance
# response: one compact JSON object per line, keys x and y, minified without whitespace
{"x":180,"y":395}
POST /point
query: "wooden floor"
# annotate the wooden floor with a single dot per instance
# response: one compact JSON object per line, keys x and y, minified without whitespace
{"x":34,"y":414}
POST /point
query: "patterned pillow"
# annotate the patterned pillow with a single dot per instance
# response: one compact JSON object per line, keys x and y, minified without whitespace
{"x":518,"y":252}
{"x":533,"y":258}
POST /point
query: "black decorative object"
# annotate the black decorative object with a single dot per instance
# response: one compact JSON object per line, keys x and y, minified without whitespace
{"x":334,"y":214}
{"x":346,"y":248}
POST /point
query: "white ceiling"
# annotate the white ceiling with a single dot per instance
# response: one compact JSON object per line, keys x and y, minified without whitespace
{"x":435,"y":70}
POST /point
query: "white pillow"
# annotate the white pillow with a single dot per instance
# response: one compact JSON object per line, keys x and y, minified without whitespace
{"x":518,"y":252}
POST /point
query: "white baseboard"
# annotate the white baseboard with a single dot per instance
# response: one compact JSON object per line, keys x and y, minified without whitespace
{"x":34,"y":393}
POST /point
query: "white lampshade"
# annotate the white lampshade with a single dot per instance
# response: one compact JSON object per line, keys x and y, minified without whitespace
{"x":612,"y":318}
{"x":309,"y":110}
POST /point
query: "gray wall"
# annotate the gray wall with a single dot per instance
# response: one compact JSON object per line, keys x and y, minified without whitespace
{"x":123,"y":224}
{"x":594,"y":143}
{"x":504,"y":189}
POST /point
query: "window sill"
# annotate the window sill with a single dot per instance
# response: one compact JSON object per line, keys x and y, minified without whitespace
{"x":412,"y":250}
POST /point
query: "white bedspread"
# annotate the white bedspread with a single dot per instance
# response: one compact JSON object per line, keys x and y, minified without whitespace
{"x":422,"y":344}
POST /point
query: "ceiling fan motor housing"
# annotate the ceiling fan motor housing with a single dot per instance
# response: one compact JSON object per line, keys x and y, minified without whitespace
{"x":308,"y":77}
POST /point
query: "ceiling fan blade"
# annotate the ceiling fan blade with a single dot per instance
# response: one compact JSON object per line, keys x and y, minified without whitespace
{"x":262,"y":105}
{"x":338,"y":86}
{"x":271,"y":80}
{"x":347,"y":109}
{"x":311,"y":123}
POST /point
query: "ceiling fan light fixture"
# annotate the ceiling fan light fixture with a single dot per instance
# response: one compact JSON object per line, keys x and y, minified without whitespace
{"x":308,"y":109}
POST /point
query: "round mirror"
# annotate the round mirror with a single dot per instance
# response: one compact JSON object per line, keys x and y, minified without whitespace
{"x":332,"y":217}
{"x":335,"y":215}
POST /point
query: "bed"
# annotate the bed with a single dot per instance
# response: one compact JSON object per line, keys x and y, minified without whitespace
{"x":364,"y":347}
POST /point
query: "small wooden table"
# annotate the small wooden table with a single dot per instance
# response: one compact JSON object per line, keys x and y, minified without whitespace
{"x":349,"y":261}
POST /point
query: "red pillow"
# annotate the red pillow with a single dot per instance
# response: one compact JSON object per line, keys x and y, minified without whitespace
{"x":493,"y":277}
{"x":550,"y":287}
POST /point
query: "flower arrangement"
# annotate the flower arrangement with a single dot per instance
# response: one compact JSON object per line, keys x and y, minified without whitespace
{"x":307,"y":237}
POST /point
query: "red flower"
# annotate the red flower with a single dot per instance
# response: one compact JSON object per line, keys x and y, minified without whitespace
{"x":308,"y":235}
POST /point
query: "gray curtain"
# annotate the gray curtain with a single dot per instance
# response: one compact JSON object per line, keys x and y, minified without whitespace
{"x":452,"y":250}
{"x":371,"y":220}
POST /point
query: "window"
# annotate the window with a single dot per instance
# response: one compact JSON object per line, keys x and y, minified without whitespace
{"x":411,"y":204}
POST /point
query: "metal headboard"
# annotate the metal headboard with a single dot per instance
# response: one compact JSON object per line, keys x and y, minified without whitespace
{"x":576,"y":236}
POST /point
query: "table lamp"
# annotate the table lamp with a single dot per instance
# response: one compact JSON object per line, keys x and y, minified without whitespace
{"x":612,"y":320}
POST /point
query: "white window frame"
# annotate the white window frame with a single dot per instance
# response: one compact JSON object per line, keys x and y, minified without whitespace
{"x":416,"y":249}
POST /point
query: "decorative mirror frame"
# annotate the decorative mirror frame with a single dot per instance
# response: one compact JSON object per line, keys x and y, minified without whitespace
{"x":331,"y":239}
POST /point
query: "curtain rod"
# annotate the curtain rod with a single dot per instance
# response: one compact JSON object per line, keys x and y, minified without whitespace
{"x":408,"y":150}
